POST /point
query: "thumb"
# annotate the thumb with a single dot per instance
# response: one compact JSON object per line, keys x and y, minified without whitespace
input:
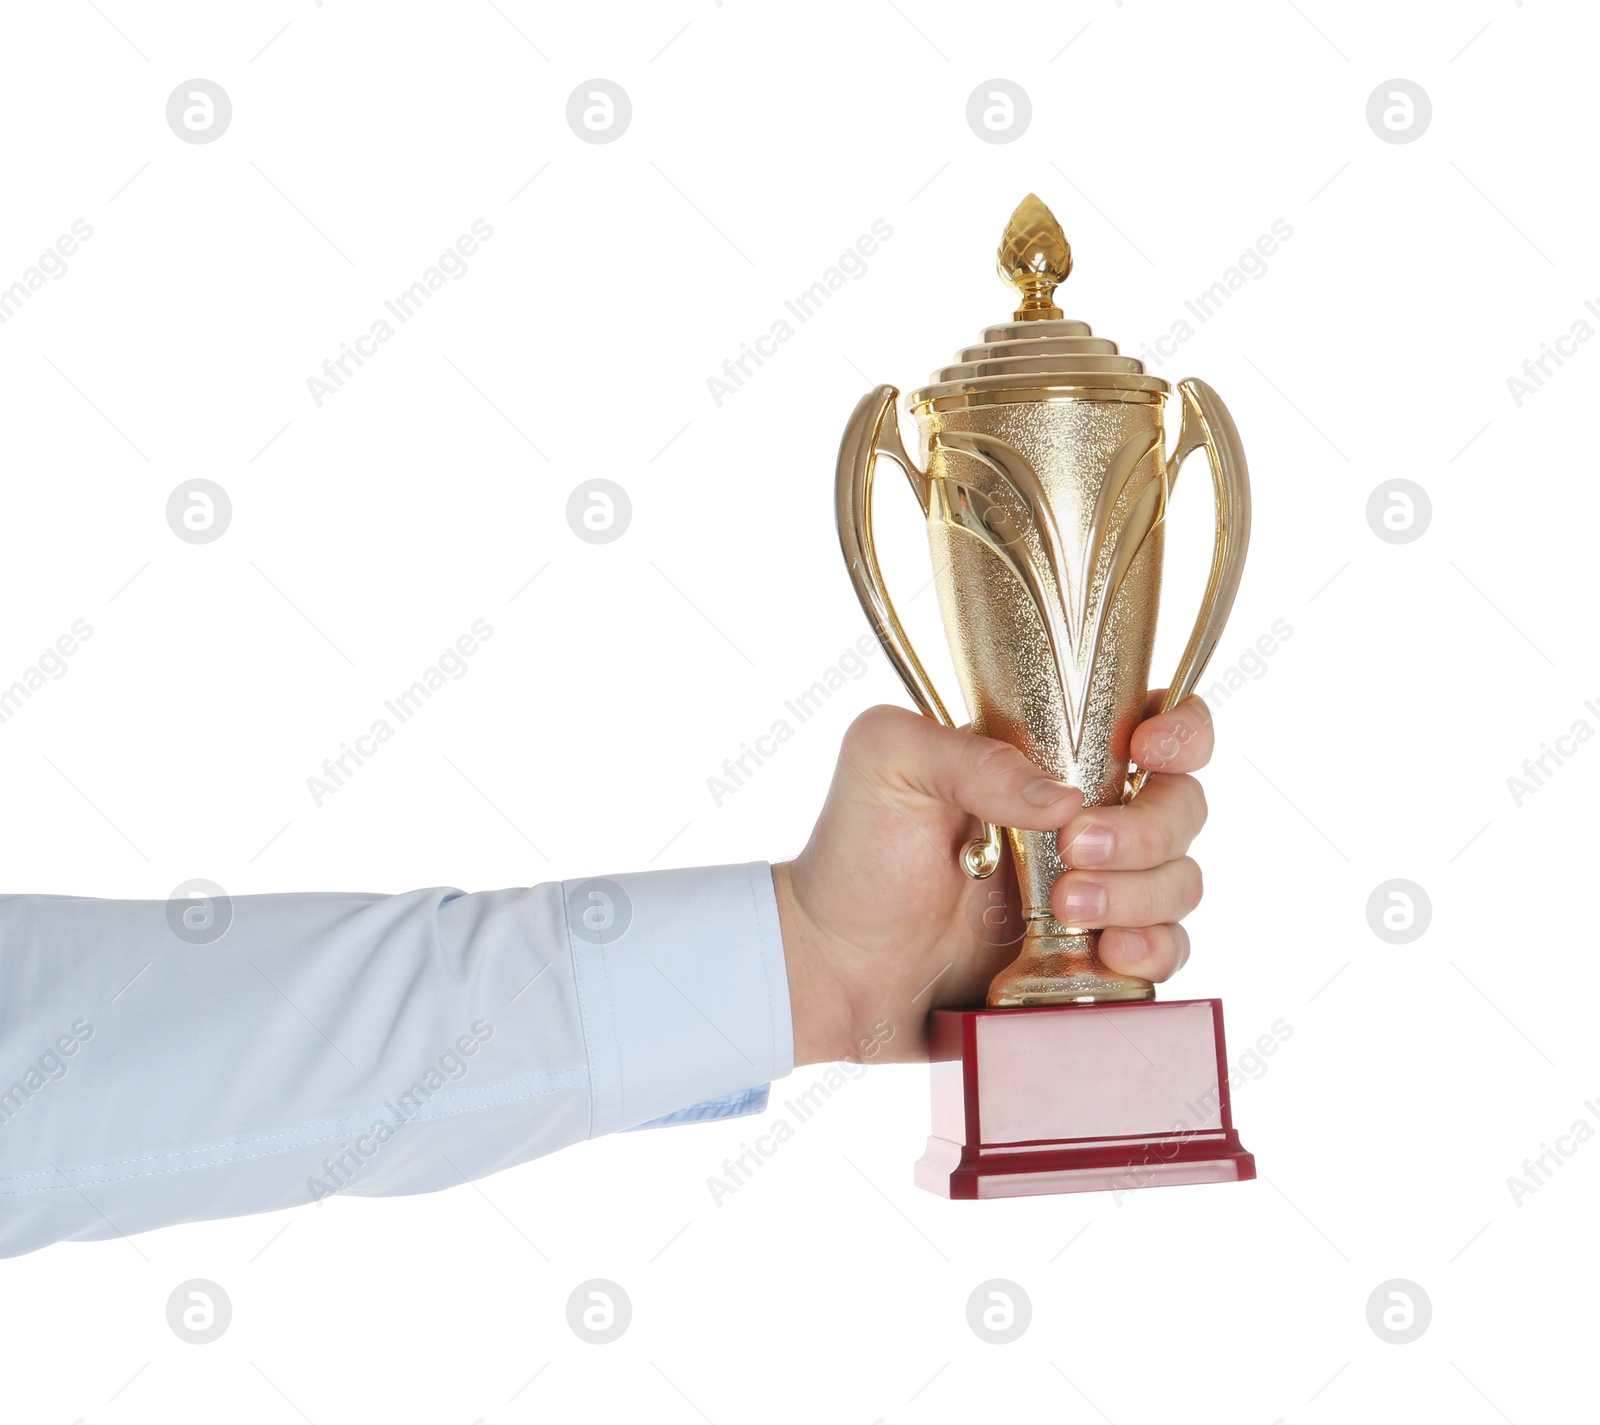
{"x":902,"y":751}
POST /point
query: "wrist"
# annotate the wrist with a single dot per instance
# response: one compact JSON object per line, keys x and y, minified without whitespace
{"x":819,"y":1009}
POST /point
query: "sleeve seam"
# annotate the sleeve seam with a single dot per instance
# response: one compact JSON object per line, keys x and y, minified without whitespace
{"x":766,"y":966}
{"x":611,"y":1012}
{"x":583,"y":1007}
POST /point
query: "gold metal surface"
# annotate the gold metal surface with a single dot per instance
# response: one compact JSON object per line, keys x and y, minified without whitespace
{"x":1044,"y":484}
{"x":1035,"y":258}
{"x":1011,"y":395}
{"x":873,"y":431}
{"x":1058,"y":360}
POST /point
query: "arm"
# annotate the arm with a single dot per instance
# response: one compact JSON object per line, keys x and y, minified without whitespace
{"x":364,"y":1044}
{"x":380,"y":1045}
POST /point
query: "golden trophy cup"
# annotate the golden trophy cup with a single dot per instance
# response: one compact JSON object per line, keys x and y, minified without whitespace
{"x":1044,"y":477}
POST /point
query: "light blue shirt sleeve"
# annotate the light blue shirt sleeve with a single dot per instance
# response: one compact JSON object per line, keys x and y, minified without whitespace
{"x":365,"y":1044}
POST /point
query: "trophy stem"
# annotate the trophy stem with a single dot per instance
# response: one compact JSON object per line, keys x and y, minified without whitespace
{"x":1056,"y":963}
{"x":1058,"y":966}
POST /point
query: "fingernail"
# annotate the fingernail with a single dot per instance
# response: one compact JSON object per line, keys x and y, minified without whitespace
{"x":1090,"y":847}
{"x":1045,"y":791}
{"x":1131,"y":946}
{"x":1083,"y":903}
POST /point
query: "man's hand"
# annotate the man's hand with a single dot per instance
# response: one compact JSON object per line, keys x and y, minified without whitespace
{"x":881,"y":924}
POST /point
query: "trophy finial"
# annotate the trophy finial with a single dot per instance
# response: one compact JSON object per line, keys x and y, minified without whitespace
{"x":1035,"y":258}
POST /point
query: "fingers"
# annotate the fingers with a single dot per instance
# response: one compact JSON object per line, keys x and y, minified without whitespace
{"x":1178,"y":741}
{"x":985,"y":778}
{"x":1090,"y":900}
{"x":1157,"y":826}
{"x":1155,"y":952}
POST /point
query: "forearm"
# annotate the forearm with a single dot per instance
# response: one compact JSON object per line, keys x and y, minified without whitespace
{"x":360,"y":1043}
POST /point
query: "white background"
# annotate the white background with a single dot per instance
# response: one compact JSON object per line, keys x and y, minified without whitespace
{"x":369,"y":533}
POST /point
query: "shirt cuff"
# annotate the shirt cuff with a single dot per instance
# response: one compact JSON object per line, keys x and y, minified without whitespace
{"x":730,"y":1105}
{"x":682,"y":991}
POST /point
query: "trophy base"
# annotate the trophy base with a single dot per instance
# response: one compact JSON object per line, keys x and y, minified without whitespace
{"x":1056,"y":967}
{"x":1098,"y":1098}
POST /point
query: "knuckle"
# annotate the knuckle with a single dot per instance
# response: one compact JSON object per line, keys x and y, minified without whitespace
{"x":876,"y":726}
{"x":1161,"y":942}
{"x":880,"y":718}
{"x":1180,"y":736}
{"x":1192,"y":883}
{"x":987,"y":759}
{"x":1161,"y":955}
{"x":1195,"y":808}
{"x":1205,"y":735}
{"x":1163,"y":742}
{"x":1135,"y":899}
{"x":1152,"y":839}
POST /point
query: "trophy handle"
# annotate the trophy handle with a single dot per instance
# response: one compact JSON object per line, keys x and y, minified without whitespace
{"x":874,"y":431}
{"x":1206,"y":422}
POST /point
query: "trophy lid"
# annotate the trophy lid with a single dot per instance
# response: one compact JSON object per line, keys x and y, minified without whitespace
{"x":1037,"y":355}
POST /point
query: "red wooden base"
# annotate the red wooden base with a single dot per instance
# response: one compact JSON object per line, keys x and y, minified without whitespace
{"x":1080,"y":1098}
